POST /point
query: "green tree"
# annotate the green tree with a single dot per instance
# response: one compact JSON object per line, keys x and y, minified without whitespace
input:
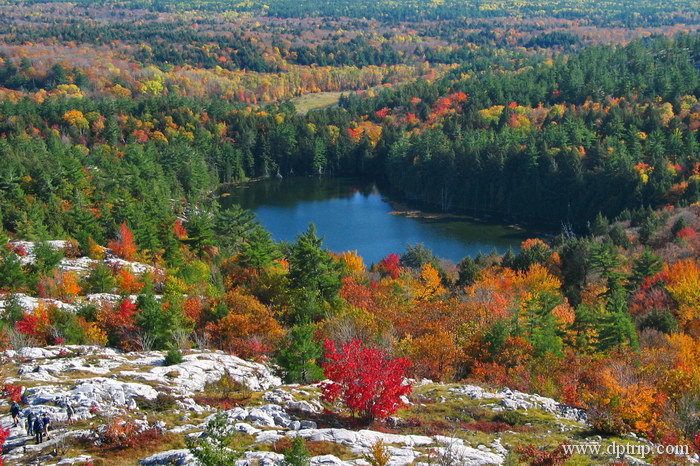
{"x":646,"y":265}
{"x":260,"y":251}
{"x":100,"y":280}
{"x":312,"y":268}
{"x":12,"y":275}
{"x":213,"y":449}
{"x":469,"y":272}
{"x":298,"y":454}
{"x":299,"y":354}
{"x":234,"y":225}
{"x":157,"y":321}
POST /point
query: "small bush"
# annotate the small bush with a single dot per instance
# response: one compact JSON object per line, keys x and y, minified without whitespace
{"x":163,"y":402}
{"x":298,"y":454}
{"x":173,"y":356}
{"x":535,"y":456}
{"x":488,"y":427}
{"x":512,"y":418}
{"x":119,"y":435}
{"x":378,"y":454}
{"x":225,"y":393}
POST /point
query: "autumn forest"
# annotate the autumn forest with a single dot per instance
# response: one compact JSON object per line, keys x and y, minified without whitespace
{"x":123,"y":122}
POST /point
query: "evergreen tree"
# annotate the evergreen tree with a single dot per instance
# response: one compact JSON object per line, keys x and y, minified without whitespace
{"x":260,"y":251}
{"x":214,"y":450}
{"x":312,"y":268}
{"x":234,"y":226}
{"x":600,"y":226}
{"x":468,"y":272}
{"x":645,"y":266}
{"x":299,"y":354}
{"x":157,"y":321}
{"x":100,"y":280}
{"x":298,"y":454}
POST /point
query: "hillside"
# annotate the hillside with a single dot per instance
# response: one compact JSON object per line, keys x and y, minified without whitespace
{"x":110,"y":389}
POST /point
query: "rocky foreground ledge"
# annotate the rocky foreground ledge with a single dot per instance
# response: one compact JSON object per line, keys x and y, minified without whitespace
{"x":464,"y":423}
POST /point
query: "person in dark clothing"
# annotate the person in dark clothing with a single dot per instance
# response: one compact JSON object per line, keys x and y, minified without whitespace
{"x":30,"y":423}
{"x":46,"y":420}
{"x":39,"y":429}
{"x":14,"y":411}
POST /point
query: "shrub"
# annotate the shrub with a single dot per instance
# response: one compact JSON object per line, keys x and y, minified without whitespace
{"x":120,"y":434}
{"x":298,"y":454}
{"x":14,"y":392}
{"x":212,"y":450}
{"x":365,"y":378}
{"x":488,"y":427}
{"x":378,"y":454}
{"x":512,"y":418}
{"x":224,"y":393}
{"x":173,"y":356}
{"x":163,"y":402}
{"x":4,"y":434}
{"x":535,"y":456}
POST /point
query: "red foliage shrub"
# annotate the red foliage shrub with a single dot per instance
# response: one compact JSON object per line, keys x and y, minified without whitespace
{"x":368,"y":382}
{"x":19,"y":249}
{"x":4,"y":434}
{"x":538,"y":457}
{"x":14,"y":392}
{"x":120,"y":435}
{"x":488,"y":427}
{"x":179,"y":230}
{"x":687,"y":233}
{"x":124,"y":246}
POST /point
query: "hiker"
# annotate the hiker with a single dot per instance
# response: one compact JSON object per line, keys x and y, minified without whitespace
{"x":14,"y":411}
{"x":46,"y":420}
{"x":30,"y":423}
{"x":39,"y":429}
{"x":70,"y":411}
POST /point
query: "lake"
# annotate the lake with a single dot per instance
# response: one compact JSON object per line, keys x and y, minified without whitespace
{"x":356,"y":215}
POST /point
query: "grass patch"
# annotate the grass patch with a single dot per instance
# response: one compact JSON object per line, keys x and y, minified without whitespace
{"x":316,"y":100}
{"x":316,"y":448}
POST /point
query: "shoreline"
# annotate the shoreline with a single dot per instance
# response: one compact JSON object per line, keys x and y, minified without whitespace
{"x":402,"y":208}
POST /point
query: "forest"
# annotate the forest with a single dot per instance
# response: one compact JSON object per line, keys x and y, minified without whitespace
{"x":122,"y":124}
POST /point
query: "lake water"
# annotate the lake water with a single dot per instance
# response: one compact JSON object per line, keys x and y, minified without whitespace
{"x":356,"y":215}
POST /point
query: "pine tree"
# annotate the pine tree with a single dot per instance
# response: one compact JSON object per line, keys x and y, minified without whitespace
{"x":312,"y":268}
{"x":645,"y":266}
{"x":298,"y":454}
{"x":233,"y":227}
{"x":100,"y":280}
{"x":299,"y":355}
{"x":260,"y":251}
{"x":468,"y":272}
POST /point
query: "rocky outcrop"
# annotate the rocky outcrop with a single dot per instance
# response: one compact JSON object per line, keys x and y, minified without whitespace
{"x":104,"y":385}
{"x":508,"y":399}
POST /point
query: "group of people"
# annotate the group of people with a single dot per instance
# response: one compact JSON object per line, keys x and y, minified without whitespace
{"x":38,"y":425}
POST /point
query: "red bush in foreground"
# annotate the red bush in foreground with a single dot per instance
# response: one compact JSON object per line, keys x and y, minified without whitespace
{"x":4,"y":434}
{"x":365,"y":378}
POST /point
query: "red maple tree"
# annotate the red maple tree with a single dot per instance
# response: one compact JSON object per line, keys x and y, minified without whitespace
{"x":391,"y":264}
{"x":124,"y":246}
{"x":367,"y":380}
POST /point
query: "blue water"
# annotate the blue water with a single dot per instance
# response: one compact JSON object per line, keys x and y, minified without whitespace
{"x":355,"y":215}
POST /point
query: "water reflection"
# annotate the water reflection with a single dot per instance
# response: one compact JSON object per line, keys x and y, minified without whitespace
{"x":355,"y":215}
